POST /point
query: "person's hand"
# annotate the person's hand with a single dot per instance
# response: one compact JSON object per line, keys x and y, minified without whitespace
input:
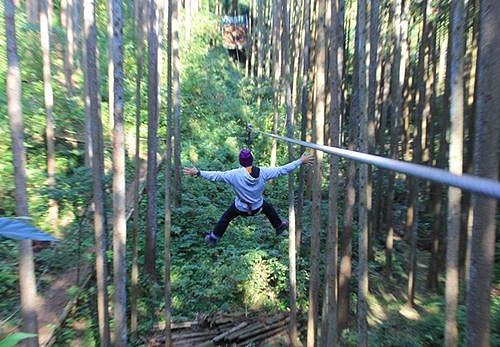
{"x":307,"y":159}
{"x":190,"y":171}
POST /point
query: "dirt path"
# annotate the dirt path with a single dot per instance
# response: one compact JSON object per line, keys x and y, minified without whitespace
{"x":56,"y":302}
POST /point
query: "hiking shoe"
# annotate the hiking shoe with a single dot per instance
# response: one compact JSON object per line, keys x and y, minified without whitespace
{"x":211,"y":239}
{"x":283,"y":226}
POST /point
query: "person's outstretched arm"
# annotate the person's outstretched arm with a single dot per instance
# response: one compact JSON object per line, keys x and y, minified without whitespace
{"x":271,"y":173}
{"x":215,"y":176}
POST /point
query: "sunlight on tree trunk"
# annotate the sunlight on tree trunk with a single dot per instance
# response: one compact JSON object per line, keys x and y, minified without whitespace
{"x":27,"y":282}
{"x":49,"y":104}
{"x":318,"y":137}
{"x":455,"y":165}
{"x":329,"y":329}
{"x":97,"y":171}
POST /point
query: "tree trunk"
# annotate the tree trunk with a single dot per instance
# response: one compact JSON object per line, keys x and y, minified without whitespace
{"x":260,"y":49}
{"x":436,"y":192}
{"x":381,"y":131}
{"x":374,"y":32}
{"x":250,"y":56}
{"x":67,"y":26}
{"x":422,"y":101}
{"x":97,"y":171}
{"x":398,"y":78}
{"x":176,"y":90}
{"x":303,"y":110}
{"x":296,"y":6}
{"x":455,"y":165}
{"x":119,"y":218}
{"x":187,"y":20}
{"x":86,"y":102}
{"x":318,"y":138}
{"x":111,"y":74}
{"x":49,"y":103}
{"x":168,"y":183}
{"x":364,"y":191}
{"x":350,"y":200}
{"x":470,"y":64}
{"x":153,"y":112}
{"x":32,"y":11}
{"x":140,"y":29}
{"x":293,"y":332}
{"x":329,"y":324}
{"x":27,"y":282}
{"x":477,"y":328}
{"x":276,"y":74}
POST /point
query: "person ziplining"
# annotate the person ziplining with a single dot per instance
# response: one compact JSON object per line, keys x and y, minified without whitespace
{"x":248,"y":183}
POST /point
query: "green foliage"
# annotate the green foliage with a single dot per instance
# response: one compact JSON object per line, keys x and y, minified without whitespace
{"x":248,"y":269}
{"x":14,"y":339}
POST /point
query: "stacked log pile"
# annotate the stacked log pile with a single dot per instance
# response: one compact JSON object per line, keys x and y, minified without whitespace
{"x":226,"y":329}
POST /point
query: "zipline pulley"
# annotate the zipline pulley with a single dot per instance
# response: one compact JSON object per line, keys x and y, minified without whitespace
{"x":248,"y":129}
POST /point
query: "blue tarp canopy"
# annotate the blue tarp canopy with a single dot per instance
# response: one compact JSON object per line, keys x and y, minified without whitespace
{"x":235,"y":20}
{"x":18,"y":230}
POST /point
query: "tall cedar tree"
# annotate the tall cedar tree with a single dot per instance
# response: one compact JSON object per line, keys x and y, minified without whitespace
{"x":97,"y":170}
{"x":111,"y":88}
{"x":168,"y":182}
{"x":437,"y":189}
{"x":303,"y":111}
{"x":119,"y":219}
{"x":153,"y":111}
{"x":27,"y":283}
{"x":32,"y":11}
{"x":318,"y":137}
{"x":329,"y":329}
{"x":364,"y":194}
{"x":140,"y":28}
{"x":176,"y":91}
{"x":49,"y":104}
{"x":187,"y":20}
{"x":276,"y":73}
{"x":397,"y":81}
{"x":372,"y":111}
{"x":421,"y":98}
{"x":260,"y":48}
{"x":477,"y":328}
{"x":67,"y":23}
{"x":455,"y":165}
{"x":292,"y":257}
{"x":349,"y":200}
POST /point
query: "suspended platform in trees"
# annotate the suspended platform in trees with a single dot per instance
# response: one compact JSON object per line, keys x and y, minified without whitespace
{"x":235,"y":32}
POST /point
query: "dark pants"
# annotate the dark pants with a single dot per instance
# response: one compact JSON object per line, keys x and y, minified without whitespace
{"x":232,"y":212}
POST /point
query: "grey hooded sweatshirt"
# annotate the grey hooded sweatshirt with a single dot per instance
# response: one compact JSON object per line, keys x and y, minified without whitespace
{"x":249,"y":188}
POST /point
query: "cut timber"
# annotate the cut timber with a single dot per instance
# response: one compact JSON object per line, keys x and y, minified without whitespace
{"x":264,"y":329}
{"x":236,"y":328}
{"x":279,"y":331}
{"x":183,"y":325}
{"x":243,"y":330}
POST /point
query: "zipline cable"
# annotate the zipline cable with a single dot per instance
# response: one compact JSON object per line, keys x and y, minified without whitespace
{"x":480,"y":185}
